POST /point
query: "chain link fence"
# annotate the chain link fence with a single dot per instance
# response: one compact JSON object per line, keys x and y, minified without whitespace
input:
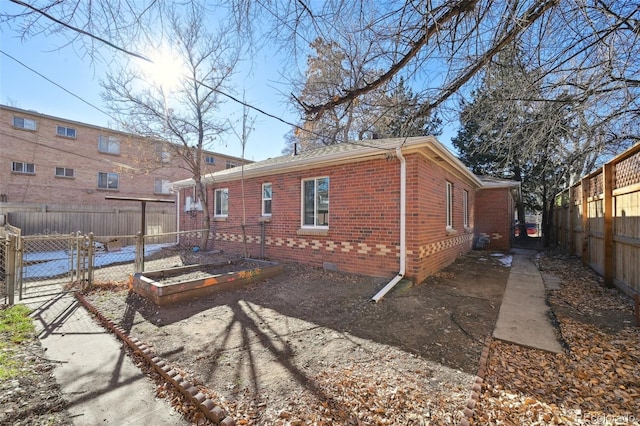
{"x":46,"y":264}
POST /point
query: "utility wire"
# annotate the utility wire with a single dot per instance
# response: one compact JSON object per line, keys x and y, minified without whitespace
{"x":59,"y":86}
{"x":144,"y":58}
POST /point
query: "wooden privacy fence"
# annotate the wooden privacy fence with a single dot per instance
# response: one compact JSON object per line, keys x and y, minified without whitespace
{"x":99,"y":222}
{"x":598,"y":219}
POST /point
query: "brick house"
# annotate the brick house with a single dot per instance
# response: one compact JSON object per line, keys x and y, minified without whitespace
{"x":52,"y":160}
{"x":496,"y":210}
{"x":379,"y":207}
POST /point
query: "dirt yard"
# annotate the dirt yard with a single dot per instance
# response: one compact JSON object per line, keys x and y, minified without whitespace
{"x":309,"y":344}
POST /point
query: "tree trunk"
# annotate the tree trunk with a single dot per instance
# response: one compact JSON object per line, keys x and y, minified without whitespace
{"x":201,"y":195}
{"x":522,"y":214}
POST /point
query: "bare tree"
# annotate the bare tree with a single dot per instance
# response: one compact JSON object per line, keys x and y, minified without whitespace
{"x":585,"y":49}
{"x":185,"y":115}
{"x":243,"y":137}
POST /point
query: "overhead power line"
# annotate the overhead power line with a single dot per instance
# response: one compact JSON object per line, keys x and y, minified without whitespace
{"x":144,"y":58}
{"x":59,"y":86}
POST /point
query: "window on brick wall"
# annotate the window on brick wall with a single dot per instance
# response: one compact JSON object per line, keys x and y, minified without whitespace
{"x":24,"y":123}
{"x":162,"y":186}
{"x":266,"y":199}
{"x":210,"y":159}
{"x":449,"y":205}
{"x":65,"y":172}
{"x":465,"y":208}
{"x":67,"y":132}
{"x":108,"y":180}
{"x":315,"y":203}
{"x":221,"y":202}
{"x":162,"y":155}
{"x":20,"y":167}
{"x":231,"y":164}
{"x":108,"y":144}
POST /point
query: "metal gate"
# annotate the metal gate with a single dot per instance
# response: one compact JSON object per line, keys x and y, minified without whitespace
{"x":43,"y":265}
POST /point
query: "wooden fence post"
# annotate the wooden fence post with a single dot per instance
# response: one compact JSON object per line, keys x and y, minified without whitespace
{"x":584,"y":185}
{"x":608,"y":224}
{"x":570,"y":224}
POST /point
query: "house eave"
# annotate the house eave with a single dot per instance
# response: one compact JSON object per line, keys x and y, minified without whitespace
{"x":365,"y":151}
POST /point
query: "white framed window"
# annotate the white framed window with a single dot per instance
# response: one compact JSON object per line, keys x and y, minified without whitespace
{"x":315,"y":203}
{"x":108,"y":180}
{"x":108,"y":144}
{"x":449,"y":205}
{"x":465,"y":208}
{"x":162,"y":186}
{"x":67,"y":132}
{"x":20,"y":167}
{"x":267,"y":194}
{"x":24,"y":123}
{"x":209,"y":159}
{"x":65,"y":172}
{"x":231,"y":164}
{"x":221,"y":202}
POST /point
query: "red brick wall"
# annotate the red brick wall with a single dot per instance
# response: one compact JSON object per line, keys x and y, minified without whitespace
{"x":494,"y":217}
{"x":431,"y":245}
{"x":363,"y":235}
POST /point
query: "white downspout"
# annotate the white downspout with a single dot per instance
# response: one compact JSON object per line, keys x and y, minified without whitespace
{"x":403,"y":225}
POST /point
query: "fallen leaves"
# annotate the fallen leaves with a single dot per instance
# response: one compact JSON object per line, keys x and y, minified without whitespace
{"x":379,"y":392}
{"x":596,"y":380}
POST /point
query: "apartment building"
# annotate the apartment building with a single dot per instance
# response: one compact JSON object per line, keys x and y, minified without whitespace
{"x":52,"y":160}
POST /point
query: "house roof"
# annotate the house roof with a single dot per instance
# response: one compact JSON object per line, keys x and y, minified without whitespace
{"x":339,"y":154}
{"x":489,"y":182}
{"x":493,"y":182}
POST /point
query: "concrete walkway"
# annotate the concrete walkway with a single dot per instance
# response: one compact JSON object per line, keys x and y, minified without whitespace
{"x":524,"y":316}
{"x":97,"y":377}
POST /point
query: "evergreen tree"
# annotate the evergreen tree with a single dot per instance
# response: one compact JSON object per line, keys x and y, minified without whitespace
{"x":507,"y":132}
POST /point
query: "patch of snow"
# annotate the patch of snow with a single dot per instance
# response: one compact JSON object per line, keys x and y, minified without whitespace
{"x":59,"y":262}
{"x":506,"y":261}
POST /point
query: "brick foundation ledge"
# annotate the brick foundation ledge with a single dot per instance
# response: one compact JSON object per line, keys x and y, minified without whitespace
{"x":211,"y":411}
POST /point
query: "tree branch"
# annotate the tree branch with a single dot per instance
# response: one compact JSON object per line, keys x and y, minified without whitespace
{"x":463,"y":6}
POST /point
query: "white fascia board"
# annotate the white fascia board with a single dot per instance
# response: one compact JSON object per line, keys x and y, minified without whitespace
{"x":340,"y":157}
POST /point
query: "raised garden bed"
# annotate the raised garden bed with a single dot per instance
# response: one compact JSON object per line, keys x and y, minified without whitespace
{"x":187,"y":282}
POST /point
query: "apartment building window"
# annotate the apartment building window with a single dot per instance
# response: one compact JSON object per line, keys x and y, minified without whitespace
{"x":20,"y":167}
{"x":231,"y":164}
{"x":65,"y":172}
{"x":24,"y":123}
{"x":315,"y":203}
{"x":162,"y":154}
{"x":107,"y":180}
{"x":108,"y":144}
{"x":67,"y":132}
{"x":210,"y":160}
{"x":221,"y":207}
{"x":449,"y":205}
{"x":465,"y":208}
{"x":162,"y":186}
{"x":266,"y":199}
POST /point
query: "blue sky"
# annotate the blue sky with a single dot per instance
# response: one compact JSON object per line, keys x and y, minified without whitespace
{"x":23,"y":88}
